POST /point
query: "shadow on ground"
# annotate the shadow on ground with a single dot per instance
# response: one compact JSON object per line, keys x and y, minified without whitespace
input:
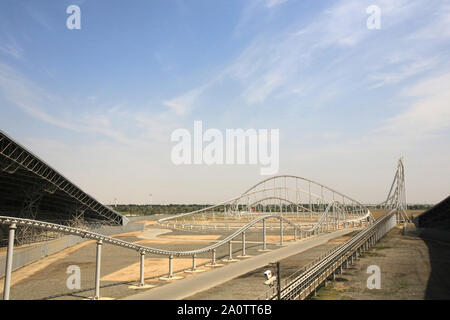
{"x":438,"y":243}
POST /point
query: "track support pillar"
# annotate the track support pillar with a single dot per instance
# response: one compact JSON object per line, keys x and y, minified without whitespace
{"x":213,"y":258}
{"x":141,"y":275}
{"x":98,"y":259}
{"x":264,"y":235}
{"x":170,"y":266}
{"x":281,"y":232}
{"x":9,"y":261}
{"x":194,"y":262}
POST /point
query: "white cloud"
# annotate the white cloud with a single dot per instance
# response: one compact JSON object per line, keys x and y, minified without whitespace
{"x":403,"y":70}
{"x":37,"y":15}
{"x":428,"y":115}
{"x":419,"y":132}
{"x":304,"y":59}
{"x":437,"y":28}
{"x":184,"y":103}
{"x":425,"y":117}
{"x":56,"y":111}
{"x":156,"y":127}
{"x":11,"y":46}
{"x":332,"y":55}
{"x":273,"y":62}
{"x":274,"y":3}
{"x":12,"y":50}
{"x":181,"y":104}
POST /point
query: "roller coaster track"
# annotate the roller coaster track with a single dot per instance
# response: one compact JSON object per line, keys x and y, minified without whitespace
{"x":303,"y":283}
{"x":300,"y":285}
{"x":325,"y":216}
{"x":287,"y":192}
{"x":5,"y":220}
{"x":346,"y":208}
{"x":13,"y":222}
{"x":396,"y":198}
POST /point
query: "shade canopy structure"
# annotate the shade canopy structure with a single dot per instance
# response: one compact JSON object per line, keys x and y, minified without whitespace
{"x":30,"y":188}
{"x":437,"y":217}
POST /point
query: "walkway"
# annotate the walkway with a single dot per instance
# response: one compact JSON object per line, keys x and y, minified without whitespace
{"x":181,"y":289}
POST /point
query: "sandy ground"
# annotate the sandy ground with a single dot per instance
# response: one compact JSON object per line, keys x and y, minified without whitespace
{"x":27,"y":271}
{"x":154,"y":267}
{"x":157,"y":264}
{"x":178,"y":239}
{"x":192,"y":237}
{"x":377,"y":213}
{"x":277,"y":238}
{"x":149,"y":242}
{"x":148,"y":222}
{"x":340,"y":240}
{"x":174,"y":239}
{"x":16,"y":247}
{"x":409,"y":270}
{"x":251,"y":285}
{"x":127,"y":234}
{"x":46,"y":278}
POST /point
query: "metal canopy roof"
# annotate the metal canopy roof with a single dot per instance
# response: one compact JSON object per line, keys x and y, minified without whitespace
{"x":28,"y":182}
{"x":437,"y":217}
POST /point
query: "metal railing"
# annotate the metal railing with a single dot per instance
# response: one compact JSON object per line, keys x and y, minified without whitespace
{"x":14,"y":222}
{"x":303,"y":282}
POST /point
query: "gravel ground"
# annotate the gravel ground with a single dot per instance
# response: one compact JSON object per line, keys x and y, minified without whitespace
{"x":50,"y":282}
{"x":251,"y":285}
{"x":411,"y":268}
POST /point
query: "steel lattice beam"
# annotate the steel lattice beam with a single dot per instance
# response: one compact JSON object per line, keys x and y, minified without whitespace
{"x":14,"y":156}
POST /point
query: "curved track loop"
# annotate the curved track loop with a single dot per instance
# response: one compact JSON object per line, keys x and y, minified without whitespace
{"x":143,"y":249}
{"x":326,"y":208}
{"x":326,"y":211}
{"x":287,"y":192}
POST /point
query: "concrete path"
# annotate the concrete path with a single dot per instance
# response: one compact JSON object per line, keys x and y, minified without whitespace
{"x":180,"y":289}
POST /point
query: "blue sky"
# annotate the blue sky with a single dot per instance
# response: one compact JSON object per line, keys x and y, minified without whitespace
{"x":100,"y":103}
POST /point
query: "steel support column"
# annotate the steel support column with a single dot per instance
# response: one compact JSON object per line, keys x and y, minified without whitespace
{"x":170,"y":266}
{"x":213,"y":258}
{"x":141,"y":275}
{"x":281,"y":232}
{"x":9,"y":260}
{"x":194,"y":262}
{"x":264,"y":235}
{"x":97,"y":269}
